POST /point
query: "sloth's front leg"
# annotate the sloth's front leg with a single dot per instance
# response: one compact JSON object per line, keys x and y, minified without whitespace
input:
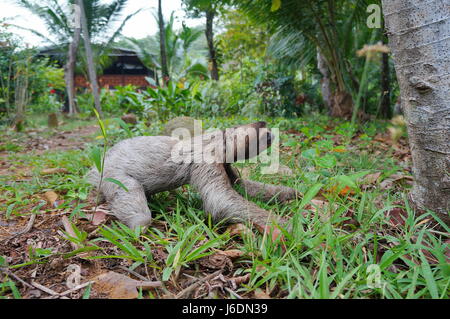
{"x":224,"y":203}
{"x":265,"y":192}
{"x":130,"y":205}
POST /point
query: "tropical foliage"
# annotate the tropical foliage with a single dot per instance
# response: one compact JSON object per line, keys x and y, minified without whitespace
{"x":102,"y":19}
{"x":184,"y":49}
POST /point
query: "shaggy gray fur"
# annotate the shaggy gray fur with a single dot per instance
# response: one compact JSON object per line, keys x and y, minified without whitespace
{"x":145,"y":165}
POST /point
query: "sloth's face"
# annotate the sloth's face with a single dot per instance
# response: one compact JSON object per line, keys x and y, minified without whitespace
{"x":247,"y":141}
{"x":225,"y":146}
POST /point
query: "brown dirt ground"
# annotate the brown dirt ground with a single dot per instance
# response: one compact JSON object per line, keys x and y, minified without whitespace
{"x":46,"y":233}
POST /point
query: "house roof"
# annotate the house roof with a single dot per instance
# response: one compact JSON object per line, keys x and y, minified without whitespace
{"x":125,"y":61}
{"x":58,"y":51}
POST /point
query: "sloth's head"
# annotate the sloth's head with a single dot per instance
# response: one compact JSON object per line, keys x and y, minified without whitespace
{"x":224,"y":146}
{"x":247,"y":141}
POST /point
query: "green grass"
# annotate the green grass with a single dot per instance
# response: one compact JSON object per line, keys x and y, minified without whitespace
{"x":323,"y":256}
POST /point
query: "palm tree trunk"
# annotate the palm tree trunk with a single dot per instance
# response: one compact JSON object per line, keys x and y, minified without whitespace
{"x":69,"y":68}
{"x":90,"y":58}
{"x":210,"y":39}
{"x":162,"y":45}
{"x":418,"y":37}
{"x":341,"y":100}
{"x":21,"y":93}
{"x":20,"y":101}
{"x":5,"y":85}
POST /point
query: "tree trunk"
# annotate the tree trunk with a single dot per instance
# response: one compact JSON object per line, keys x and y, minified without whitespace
{"x":90,"y":58}
{"x":162,"y":45}
{"x":69,"y":68}
{"x":5,"y":84}
{"x":52,"y":120}
{"x":21,"y":92}
{"x":20,"y":98}
{"x":341,"y":104}
{"x":419,"y":37}
{"x":325,"y":84}
{"x":385,"y":105}
{"x":210,"y":39}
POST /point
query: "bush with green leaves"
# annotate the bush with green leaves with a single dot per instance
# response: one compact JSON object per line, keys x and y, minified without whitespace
{"x":163,"y":102}
{"x":20,"y":68}
{"x":121,"y":100}
{"x":159,"y":103}
{"x":48,"y":90}
{"x":278,"y":93}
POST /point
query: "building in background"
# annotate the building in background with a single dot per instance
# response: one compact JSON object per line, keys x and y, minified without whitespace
{"x":123,"y":68}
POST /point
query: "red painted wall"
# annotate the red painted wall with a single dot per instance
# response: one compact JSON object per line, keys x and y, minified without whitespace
{"x":111,"y":81}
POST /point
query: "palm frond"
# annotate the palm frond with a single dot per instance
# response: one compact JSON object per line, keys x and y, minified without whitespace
{"x":196,"y":69}
{"x":37,"y":33}
{"x":52,"y":15}
{"x":116,"y":33}
{"x":292,"y":48}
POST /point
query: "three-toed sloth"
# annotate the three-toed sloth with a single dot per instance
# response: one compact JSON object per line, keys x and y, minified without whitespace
{"x":147,"y":165}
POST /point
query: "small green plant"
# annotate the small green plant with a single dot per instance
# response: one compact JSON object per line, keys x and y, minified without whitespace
{"x":126,"y":239}
{"x":99,"y":160}
{"x":189,"y":247}
{"x":163,"y":102}
{"x":10,"y":147}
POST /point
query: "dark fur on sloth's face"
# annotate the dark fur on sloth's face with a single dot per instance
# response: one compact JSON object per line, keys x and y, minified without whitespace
{"x":227,"y":146}
{"x":247,"y":141}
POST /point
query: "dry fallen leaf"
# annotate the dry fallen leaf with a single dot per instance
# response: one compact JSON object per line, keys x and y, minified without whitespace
{"x":395,"y":178}
{"x":372,"y":178}
{"x":336,"y":189}
{"x":397,"y":216}
{"x":346,"y":190}
{"x":232,"y":253}
{"x":429,"y":256}
{"x":118,"y":286}
{"x":320,"y":207}
{"x":221,"y":259}
{"x":57,"y":170}
{"x":315,"y":204}
{"x":240,"y":279}
{"x":216,"y":261}
{"x":50,"y":197}
{"x":239,"y":229}
{"x":261,"y":268}
{"x":99,"y":218}
{"x":339,"y":150}
{"x":260,"y":294}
